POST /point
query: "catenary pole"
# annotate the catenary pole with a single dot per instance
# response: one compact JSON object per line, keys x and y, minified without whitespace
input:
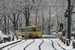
{"x":69,"y":21}
{"x":42,"y":22}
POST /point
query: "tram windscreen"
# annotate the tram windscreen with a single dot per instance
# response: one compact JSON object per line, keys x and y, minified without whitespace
{"x":39,"y":29}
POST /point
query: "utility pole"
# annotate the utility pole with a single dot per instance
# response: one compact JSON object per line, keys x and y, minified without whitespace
{"x":57,"y":23}
{"x":0,"y":24}
{"x":49,"y":19}
{"x":69,"y":21}
{"x":42,"y":22}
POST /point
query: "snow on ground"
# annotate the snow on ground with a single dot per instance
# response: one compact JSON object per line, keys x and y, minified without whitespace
{"x":4,"y":44}
{"x":56,"y":45}
{"x":48,"y":35}
{"x":13,"y":45}
{"x":21,"y":46}
{"x":47,"y":45}
{"x":64,"y":45}
{"x":35,"y":45}
{"x":54,"y":33}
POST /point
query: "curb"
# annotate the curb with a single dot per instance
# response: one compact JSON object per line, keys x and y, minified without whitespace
{"x":10,"y":44}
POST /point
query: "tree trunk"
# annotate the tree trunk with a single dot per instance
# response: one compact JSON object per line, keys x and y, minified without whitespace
{"x":27,"y":22}
{"x":14,"y":29}
{"x":5,"y":24}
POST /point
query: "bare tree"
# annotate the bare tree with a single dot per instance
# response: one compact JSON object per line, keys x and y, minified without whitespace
{"x":15,"y":20}
{"x":1,"y":20}
{"x":26,"y":11}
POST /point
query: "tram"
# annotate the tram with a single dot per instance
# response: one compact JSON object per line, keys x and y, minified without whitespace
{"x":31,"y":31}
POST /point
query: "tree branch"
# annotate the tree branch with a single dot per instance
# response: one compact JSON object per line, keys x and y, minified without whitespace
{"x":10,"y":19}
{"x":20,"y":11}
{"x":17,"y":17}
{"x":1,"y":21}
{"x":1,"y":18}
{"x":14,"y":14}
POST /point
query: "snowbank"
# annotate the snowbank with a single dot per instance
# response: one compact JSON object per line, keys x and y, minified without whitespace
{"x":8,"y":43}
{"x":11,"y":46}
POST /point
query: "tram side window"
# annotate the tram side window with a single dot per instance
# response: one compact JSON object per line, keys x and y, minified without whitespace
{"x":22,"y":29}
{"x":33,"y":29}
{"x":30,"y":29}
{"x":26,"y":29}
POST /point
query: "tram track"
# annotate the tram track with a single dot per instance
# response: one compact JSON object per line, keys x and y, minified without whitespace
{"x":29,"y":44}
{"x":41,"y":44}
{"x":53,"y":45}
{"x":17,"y":44}
{"x":61,"y":46}
{"x":58,"y":45}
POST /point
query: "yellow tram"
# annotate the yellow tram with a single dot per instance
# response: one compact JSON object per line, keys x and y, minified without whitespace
{"x":31,"y":31}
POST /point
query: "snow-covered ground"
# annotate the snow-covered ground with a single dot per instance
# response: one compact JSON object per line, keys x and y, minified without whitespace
{"x":13,"y":45}
{"x":64,"y":45}
{"x":46,"y":44}
{"x":21,"y":46}
{"x":4,"y":44}
{"x":56,"y":45}
{"x":35,"y":45}
{"x":49,"y":35}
